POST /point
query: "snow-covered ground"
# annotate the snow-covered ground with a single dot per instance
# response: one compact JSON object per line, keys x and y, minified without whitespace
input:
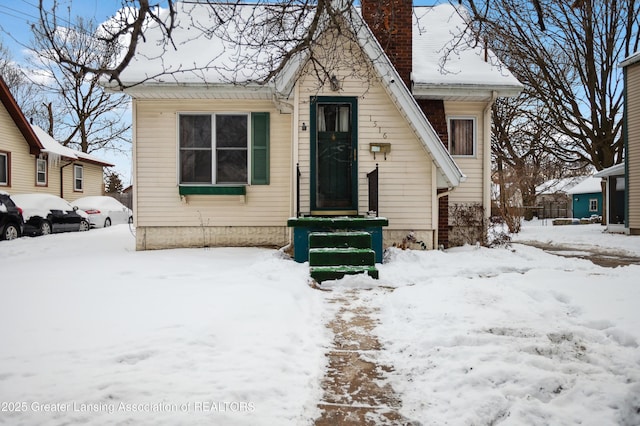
{"x":93,"y":332}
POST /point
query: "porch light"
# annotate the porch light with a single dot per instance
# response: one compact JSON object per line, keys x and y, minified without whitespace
{"x":304,"y":126}
{"x":334,"y":83}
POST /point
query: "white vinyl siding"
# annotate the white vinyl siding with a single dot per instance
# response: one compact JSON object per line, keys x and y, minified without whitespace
{"x":156,"y":149}
{"x":633,"y":145}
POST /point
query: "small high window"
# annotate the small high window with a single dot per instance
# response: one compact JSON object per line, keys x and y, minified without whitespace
{"x":78,"y":178}
{"x":462,"y":136}
{"x":593,"y":205}
{"x":41,"y":172}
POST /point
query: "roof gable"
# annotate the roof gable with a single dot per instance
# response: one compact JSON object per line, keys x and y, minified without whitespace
{"x":19,"y":119}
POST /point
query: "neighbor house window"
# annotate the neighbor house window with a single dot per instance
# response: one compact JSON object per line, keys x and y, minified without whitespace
{"x":225,"y":149}
{"x":462,"y":136}
{"x":41,"y":172}
{"x":78,"y":178}
{"x":593,"y":205}
{"x":4,"y":168}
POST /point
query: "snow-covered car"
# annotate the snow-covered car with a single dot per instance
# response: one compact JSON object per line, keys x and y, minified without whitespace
{"x":104,"y":211}
{"x":45,"y":214}
{"x":11,"y":223}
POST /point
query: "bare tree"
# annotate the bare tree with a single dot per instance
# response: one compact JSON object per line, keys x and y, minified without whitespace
{"x":267,"y":34}
{"x":569,"y":65}
{"x":520,"y":151}
{"x":88,"y":118}
{"x":27,"y":95}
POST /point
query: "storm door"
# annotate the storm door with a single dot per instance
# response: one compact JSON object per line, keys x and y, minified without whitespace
{"x":334,"y":156}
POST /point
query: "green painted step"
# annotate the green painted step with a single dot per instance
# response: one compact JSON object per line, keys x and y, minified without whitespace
{"x":325,"y":273}
{"x":341,"y":256}
{"x":340,"y":239}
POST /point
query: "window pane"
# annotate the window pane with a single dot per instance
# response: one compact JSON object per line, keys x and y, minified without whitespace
{"x":195,"y":131}
{"x":4,"y":169}
{"x":232,"y":166}
{"x":195,"y":166}
{"x":77,"y":170}
{"x":462,"y":137}
{"x":231,"y":131}
{"x":41,"y":174}
{"x":334,"y":118}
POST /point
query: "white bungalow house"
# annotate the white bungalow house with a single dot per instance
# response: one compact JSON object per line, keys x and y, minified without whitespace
{"x":219,"y":160}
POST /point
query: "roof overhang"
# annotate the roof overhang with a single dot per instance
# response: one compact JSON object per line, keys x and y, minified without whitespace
{"x":617,"y":170}
{"x":630,"y":60}
{"x":195,"y":91}
{"x":470,"y":92}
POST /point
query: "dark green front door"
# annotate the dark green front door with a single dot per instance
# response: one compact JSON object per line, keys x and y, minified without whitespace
{"x":334,"y":156}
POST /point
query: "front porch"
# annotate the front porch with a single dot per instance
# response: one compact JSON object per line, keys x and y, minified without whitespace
{"x":338,"y":246}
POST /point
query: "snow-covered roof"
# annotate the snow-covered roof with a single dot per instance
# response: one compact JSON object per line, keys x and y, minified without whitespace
{"x":588,"y":186}
{"x":553,"y":186}
{"x":209,"y":57}
{"x":57,"y":151}
{"x":437,"y":62}
{"x":205,"y":52}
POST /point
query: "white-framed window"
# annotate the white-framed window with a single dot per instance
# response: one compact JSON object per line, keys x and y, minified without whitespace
{"x":78,"y":178}
{"x":223,"y":148}
{"x":462,"y":136}
{"x":41,"y":172}
{"x":4,"y":168}
{"x":214,"y":148}
{"x":593,"y":204}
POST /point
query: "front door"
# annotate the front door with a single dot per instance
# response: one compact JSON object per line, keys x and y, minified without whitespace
{"x":334,"y":156}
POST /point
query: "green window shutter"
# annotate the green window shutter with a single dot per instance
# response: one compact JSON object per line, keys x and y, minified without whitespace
{"x":260,"y":148}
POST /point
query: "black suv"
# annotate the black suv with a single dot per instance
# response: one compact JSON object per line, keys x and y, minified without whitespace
{"x":11,"y":222}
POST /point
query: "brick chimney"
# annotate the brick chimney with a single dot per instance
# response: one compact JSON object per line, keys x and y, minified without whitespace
{"x":391,"y":21}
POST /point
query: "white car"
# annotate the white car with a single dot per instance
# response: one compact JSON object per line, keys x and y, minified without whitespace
{"x":104,"y":211}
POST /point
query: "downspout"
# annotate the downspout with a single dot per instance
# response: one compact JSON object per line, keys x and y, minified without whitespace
{"x":62,"y":178}
{"x":486,"y":152}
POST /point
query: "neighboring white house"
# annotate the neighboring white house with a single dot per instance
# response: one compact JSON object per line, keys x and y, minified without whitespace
{"x":32,"y":161}
{"x":228,"y":163}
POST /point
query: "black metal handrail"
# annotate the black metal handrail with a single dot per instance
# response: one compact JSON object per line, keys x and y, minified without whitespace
{"x":372,"y":177}
{"x":298,"y":174}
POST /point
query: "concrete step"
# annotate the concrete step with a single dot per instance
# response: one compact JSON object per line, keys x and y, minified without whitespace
{"x":354,"y":239}
{"x":325,"y":273}
{"x":341,"y":256}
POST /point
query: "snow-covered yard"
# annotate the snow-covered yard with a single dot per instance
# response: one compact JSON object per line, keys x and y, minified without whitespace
{"x":93,"y":332}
